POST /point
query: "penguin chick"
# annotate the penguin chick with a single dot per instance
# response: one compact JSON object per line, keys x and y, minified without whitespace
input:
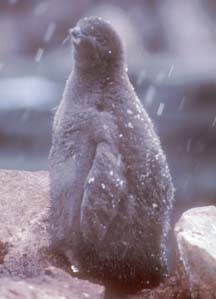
{"x":111,"y":189}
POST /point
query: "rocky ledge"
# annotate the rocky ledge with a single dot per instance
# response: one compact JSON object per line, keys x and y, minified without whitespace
{"x":27,"y":270}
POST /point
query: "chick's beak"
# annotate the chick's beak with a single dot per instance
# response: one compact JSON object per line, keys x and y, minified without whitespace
{"x":76,"y":34}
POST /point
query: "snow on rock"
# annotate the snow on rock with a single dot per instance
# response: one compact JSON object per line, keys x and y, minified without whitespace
{"x":196,"y":242}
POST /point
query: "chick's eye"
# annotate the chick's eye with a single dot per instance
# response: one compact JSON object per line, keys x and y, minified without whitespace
{"x":85,"y":32}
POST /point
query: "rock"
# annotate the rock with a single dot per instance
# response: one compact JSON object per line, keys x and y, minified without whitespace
{"x":174,"y":287}
{"x":25,"y":261}
{"x":55,"y":285}
{"x":195,"y":269}
{"x":24,"y":207}
{"x":3,"y":251}
{"x":196,"y":242}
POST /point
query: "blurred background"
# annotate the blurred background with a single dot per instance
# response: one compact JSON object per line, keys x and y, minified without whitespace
{"x":171,"y":48}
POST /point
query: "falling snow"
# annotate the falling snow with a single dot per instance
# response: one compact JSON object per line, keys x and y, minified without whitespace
{"x":160,"y":109}
{"x":39,"y":55}
{"x":150,"y":95}
{"x":181,"y":106}
{"x":91,"y":180}
{"x":188,"y":147}
{"x":171,"y":71}
{"x":49,"y":32}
